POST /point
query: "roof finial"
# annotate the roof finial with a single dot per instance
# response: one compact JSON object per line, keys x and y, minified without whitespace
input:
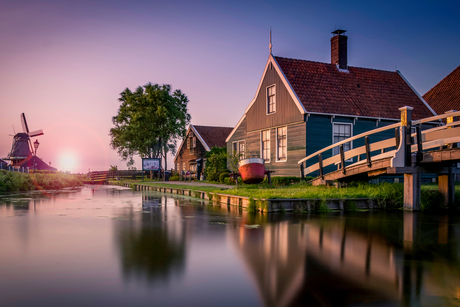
{"x":270,"y":45}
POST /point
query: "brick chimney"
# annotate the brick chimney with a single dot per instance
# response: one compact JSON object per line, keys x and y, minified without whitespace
{"x":339,"y":49}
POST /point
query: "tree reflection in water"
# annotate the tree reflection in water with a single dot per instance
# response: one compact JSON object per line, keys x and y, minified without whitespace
{"x":151,"y":248}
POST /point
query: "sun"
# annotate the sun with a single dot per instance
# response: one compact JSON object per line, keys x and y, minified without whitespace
{"x":68,"y":161}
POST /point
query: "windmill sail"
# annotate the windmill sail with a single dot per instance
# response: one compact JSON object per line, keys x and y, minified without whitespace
{"x":25,"y":128}
{"x":36,"y":133}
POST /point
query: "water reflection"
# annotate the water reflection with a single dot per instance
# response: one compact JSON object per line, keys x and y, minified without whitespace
{"x":151,"y":248}
{"x":138,"y":247}
{"x":333,"y":260}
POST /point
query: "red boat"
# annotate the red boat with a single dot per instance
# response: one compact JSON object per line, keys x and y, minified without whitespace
{"x":252,"y":170}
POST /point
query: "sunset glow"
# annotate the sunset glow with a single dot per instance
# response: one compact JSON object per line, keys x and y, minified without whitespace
{"x":77,"y":57}
{"x":68,"y":161}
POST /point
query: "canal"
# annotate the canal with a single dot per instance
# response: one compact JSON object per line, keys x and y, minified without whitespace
{"x":114,"y":246}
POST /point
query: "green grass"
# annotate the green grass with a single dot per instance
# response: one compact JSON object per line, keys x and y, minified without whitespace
{"x":16,"y":182}
{"x":390,"y":195}
{"x":214,"y":189}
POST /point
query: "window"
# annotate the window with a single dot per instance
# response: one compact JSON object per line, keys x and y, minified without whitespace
{"x":183,"y":166}
{"x":341,"y":131}
{"x":265,"y":145}
{"x":188,"y":142}
{"x":271,"y":99}
{"x":234,"y":147}
{"x":241,"y":149}
{"x":281,"y":141}
{"x":194,"y":142}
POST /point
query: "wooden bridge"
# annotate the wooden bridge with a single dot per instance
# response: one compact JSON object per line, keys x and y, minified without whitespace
{"x":411,"y":152}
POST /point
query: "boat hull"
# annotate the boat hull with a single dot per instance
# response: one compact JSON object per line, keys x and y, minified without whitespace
{"x":252,"y":170}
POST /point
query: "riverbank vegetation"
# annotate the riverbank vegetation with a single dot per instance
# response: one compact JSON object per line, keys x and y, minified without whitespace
{"x":390,"y":194}
{"x":16,"y":182}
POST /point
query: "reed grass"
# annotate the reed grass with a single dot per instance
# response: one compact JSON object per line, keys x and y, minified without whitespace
{"x":16,"y":182}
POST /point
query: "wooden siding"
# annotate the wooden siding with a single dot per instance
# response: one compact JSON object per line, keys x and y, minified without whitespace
{"x":286,"y":109}
{"x":185,"y":155}
{"x":295,"y":148}
{"x":239,"y":135}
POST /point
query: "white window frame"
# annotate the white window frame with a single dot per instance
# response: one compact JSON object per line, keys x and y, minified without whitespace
{"x":351,"y":142}
{"x":233,"y":147}
{"x":277,"y":145}
{"x":244,"y":152}
{"x":268,"y":160}
{"x":267,"y":97}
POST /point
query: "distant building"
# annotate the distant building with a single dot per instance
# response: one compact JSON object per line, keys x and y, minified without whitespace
{"x":3,"y":164}
{"x":303,"y":106}
{"x":198,"y":141}
{"x":34,"y":162}
{"x":445,"y":95}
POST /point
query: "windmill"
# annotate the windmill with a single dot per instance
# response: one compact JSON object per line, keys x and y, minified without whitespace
{"x":22,"y":146}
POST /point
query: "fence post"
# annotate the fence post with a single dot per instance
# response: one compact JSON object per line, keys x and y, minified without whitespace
{"x":368,"y":151}
{"x":342,"y":159}
{"x":402,"y":156}
{"x":320,"y":162}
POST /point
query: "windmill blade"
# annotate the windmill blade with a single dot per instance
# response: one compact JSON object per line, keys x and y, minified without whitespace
{"x":24,"y":123}
{"x":36,"y":133}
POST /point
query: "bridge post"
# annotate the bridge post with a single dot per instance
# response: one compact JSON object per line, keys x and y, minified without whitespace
{"x":446,"y":186}
{"x":412,"y":178}
{"x":412,"y":190}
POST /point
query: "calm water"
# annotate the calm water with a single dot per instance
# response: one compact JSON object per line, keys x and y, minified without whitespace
{"x":113,"y":246}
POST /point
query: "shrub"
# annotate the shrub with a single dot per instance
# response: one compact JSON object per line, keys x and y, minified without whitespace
{"x":223,"y":175}
{"x":252,"y":206}
{"x":322,"y":207}
{"x":431,"y":199}
{"x":175,"y":177}
{"x":279,"y":181}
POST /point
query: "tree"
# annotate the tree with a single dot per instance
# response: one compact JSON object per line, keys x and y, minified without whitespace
{"x":149,"y":122}
{"x":216,"y":162}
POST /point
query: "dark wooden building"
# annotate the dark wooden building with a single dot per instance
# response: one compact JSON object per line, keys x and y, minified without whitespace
{"x":303,"y":106}
{"x":445,"y":95}
{"x":198,"y":141}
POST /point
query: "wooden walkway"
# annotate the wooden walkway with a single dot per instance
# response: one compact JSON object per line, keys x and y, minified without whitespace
{"x":410,"y":153}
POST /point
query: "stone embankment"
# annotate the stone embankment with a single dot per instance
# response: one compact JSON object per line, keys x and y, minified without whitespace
{"x":267,"y":205}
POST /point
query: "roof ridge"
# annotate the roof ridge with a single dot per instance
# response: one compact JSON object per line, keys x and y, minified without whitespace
{"x":359,"y":67}
{"x":211,"y":126}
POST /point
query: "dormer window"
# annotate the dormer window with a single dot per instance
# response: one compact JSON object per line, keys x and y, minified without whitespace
{"x":271,"y":99}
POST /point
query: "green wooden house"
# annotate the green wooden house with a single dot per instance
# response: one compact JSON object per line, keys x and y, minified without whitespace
{"x":303,"y":106}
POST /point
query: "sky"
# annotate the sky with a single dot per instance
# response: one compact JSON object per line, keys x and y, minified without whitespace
{"x":65,"y":63}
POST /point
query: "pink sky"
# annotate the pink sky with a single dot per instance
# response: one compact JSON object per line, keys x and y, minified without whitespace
{"x":64,"y":64}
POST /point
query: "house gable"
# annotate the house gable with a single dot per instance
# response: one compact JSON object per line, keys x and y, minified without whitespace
{"x":288,"y":108}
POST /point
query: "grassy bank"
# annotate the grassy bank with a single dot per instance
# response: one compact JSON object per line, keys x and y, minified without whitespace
{"x":390,"y":194}
{"x":15,"y":182}
{"x":175,"y":186}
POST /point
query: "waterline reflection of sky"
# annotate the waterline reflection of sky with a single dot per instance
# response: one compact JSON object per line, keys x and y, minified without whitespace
{"x":112,"y":245}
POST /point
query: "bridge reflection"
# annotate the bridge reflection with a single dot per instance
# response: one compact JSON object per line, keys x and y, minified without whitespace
{"x":343,"y":261}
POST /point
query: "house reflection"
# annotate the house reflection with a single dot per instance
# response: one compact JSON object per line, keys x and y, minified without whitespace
{"x":344,"y":261}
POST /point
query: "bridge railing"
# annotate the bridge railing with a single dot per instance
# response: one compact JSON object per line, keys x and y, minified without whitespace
{"x":422,"y":140}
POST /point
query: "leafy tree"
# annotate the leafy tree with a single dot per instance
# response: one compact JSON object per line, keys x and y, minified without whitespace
{"x":216,"y":162}
{"x":149,"y":122}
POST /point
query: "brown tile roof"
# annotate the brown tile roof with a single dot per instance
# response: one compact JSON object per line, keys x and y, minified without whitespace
{"x":214,"y":136}
{"x":445,"y":95}
{"x":322,"y":88}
